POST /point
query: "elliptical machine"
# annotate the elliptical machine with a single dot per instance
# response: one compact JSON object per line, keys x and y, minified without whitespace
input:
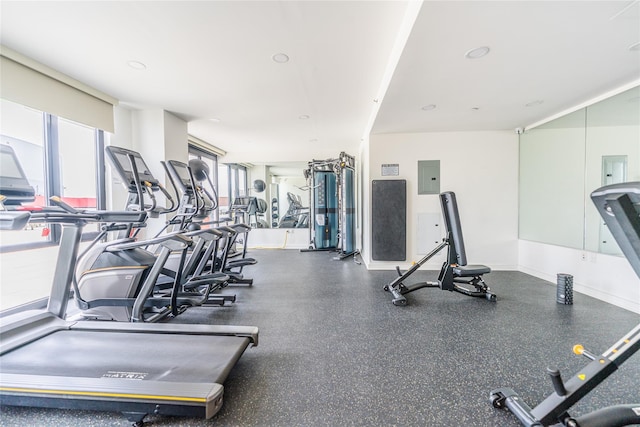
{"x":228,"y":260}
{"x":195,"y":207}
{"x":121,"y":280}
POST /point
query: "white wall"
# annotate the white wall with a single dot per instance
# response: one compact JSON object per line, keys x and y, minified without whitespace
{"x":148,"y":139}
{"x":279,"y":238}
{"x":123,"y":137}
{"x":176,"y":145}
{"x":606,"y":277}
{"x":363,"y":190}
{"x":480,"y":167}
{"x":157,"y":135}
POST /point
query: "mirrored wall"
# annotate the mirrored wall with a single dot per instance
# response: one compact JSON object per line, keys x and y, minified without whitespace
{"x":284,"y":200}
{"x":563,"y":161}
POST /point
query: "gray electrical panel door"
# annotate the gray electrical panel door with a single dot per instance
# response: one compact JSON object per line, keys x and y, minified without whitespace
{"x":428,"y":176}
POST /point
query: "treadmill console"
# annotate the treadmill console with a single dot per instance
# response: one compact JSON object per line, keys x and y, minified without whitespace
{"x":13,"y":181}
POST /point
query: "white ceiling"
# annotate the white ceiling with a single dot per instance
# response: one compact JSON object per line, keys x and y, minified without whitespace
{"x":213,"y":60}
{"x":562,"y":53}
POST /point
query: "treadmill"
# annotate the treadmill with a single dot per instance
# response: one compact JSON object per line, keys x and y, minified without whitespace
{"x":132,"y":368}
{"x":13,"y":183}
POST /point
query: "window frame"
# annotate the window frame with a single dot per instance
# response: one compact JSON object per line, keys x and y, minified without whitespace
{"x":53,"y":180}
{"x":235,"y":170}
{"x":201,"y":153}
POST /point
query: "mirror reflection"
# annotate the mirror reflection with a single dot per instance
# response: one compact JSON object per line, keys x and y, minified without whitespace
{"x":269,"y":195}
{"x":612,"y":156}
{"x":564,"y":160}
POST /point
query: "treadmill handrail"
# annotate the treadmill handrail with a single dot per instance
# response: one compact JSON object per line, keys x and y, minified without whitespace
{"x":60,"y":216}
{"x":35,"y":332}
{"x":250,"y":332}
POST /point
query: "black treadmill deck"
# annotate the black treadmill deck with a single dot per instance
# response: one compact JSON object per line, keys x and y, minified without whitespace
{"x":135,"y":368}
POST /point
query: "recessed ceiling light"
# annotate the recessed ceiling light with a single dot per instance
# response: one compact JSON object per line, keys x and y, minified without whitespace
{"x":534,"y":103}
{"x":280,"y":58}
{"x":635,"y":47}
{"x":214,"y":120}
{"x":478,"y":52}
{"x":475,"y":108}
{"x":313,"y":140}
{"x":429,"y":107}
{"x":137,"y":65}
{"x":303,"y":117}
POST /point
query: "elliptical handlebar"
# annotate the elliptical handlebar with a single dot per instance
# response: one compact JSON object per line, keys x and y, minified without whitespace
{"x":139,"y":180}
{"x":196,"y":202}
{"x":148,"y":187}
{"x":174,"y":179}
{"x":176,"y":236}
{"x":200,"y":173}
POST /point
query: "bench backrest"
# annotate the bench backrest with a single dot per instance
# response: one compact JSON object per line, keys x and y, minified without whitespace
{"x":452,"y":224}
{"x":619,"y":206}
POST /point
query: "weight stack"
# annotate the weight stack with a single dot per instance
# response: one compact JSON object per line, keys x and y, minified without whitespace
{"x":564,"y":293}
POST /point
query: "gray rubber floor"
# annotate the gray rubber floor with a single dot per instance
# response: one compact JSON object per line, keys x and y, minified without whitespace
{"x":334,"y":350}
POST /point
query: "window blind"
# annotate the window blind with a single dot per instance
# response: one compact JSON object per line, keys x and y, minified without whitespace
{"x":27,"y":82}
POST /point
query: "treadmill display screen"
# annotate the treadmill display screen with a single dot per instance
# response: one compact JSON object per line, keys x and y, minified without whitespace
{"x":8,"y":166}
{"x":13,"y":182}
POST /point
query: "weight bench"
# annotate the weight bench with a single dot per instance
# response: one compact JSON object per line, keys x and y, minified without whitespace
{"x":455,"y":274}
{"x":619,"y":207}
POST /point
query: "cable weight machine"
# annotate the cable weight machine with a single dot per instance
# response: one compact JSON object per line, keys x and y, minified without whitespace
{"x":332,"y":205}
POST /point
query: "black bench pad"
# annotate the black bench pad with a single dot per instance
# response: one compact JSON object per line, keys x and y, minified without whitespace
{"x":471,"y":270}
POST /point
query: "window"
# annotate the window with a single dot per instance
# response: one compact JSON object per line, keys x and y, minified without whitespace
{"x":242,"y":181}
{"x":233,"y":184}
{"x":22,"y":129}
{"x":237,"y":180}
{"x":224,"y":189}
{"x":77,"y":151}
{"x":59,"y":157}
{"x":212,"y":161}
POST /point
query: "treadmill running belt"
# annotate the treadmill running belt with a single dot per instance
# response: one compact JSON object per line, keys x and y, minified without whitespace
{"x":182,"y":358}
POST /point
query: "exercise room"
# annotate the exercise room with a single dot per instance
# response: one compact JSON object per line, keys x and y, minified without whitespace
{"x":320,"y":213}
